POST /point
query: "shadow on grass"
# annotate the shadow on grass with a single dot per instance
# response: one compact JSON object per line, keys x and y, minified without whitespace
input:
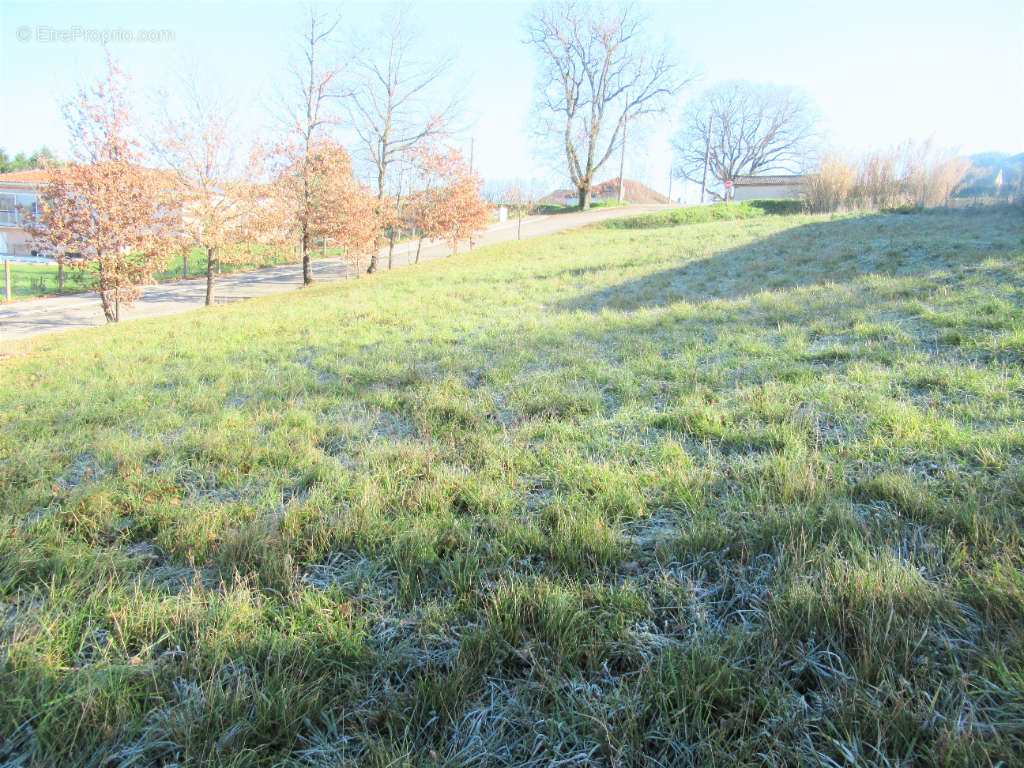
{"x":817,"y":253}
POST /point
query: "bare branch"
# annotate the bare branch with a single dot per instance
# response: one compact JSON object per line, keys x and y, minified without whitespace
{"x":745,"y":129}
{"x":596,"y":76}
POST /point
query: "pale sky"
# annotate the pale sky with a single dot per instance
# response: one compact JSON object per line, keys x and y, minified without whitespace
{"x":881,"y":72}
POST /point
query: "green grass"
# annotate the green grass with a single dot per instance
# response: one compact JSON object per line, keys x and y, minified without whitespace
{"x":734,"y":493}
{"x":30,"y":280}
{"x":33,"y":280}
{"x":700,"y":214}
{"x":549,"y":209}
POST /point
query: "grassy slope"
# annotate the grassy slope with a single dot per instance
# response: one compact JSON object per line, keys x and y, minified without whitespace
{"x":732,"y":492}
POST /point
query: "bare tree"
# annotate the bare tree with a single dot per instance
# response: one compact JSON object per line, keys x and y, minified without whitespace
{"x":736,"y":128}
{"x":310,"y":113}
{"x":521,"y":197}
{"x":395,"y":106}
{"x":597,"y":74}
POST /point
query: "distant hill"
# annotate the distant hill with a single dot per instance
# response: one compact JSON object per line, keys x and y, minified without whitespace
{"x":985,"y":168}
{"x":633,"y":192}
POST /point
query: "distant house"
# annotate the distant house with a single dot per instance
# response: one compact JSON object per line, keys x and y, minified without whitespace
{"x":19,"y":202}
{"x":768,"y":187}
{"x":633,"y":192}
{"x":19,"y":196}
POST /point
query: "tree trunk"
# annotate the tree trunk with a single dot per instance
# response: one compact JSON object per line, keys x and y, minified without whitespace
{"x":117,"y":305}
{"x":209,"y":275}
{"x":391,"y":250}
{"x":419,"y":247}
{"x":584,"y":192}
{"x":519,"y":229}
{"x":622,"y":161}
{"x":60,"y":277}
{"x":381,"y":170}
{"x":108,"y":307}
{"x":108,"y":310}
{"x":184,"y":265}
{"x":307,"y":263}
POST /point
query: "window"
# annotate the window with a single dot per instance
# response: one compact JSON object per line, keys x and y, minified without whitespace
{"x":7,"y":217}
{"x":27,"y":207}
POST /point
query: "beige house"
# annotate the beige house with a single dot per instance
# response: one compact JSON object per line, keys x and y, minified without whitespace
{"x":19,"y":195}
{"x":768,"y":187}
{"x":19,"y":200}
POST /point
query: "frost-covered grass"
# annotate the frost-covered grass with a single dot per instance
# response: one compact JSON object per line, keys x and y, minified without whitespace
{"x":732,"y":493}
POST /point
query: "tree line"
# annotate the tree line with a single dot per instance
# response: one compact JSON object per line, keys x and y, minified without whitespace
{"x":41,"y":158}
{"x":599,"y":76}
{"x":600,"y":72}
{"x":135,"y":193}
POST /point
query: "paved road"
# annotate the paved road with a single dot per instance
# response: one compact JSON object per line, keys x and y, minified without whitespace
{"x":22,"y":319}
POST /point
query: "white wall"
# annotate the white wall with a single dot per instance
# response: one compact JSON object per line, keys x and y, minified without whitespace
{"x":767,"y":192}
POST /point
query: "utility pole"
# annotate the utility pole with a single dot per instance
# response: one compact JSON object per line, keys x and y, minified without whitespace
{"x":622,"y":159}
{"x":707,"y":158}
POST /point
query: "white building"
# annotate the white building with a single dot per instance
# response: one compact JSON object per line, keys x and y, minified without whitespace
{"x":19,"y":197}
{"x":768,"y":188}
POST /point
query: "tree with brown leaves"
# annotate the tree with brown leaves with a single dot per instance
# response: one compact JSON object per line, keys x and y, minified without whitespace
{"x":449,"y":204}
{"x":309,"y":113}
{"x":226,"y":211}
{"x":396,"y":107}
{"x":325,"y":202}
{"x":103,"y":210}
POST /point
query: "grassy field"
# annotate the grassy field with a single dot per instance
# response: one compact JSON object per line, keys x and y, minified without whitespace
{"x":32,"y":280}
{"x":699,"y":214}
{"x":742,"y":492}
{"x":550,"y":209}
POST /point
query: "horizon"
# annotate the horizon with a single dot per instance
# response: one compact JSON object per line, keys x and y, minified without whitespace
{"x":963,"y":99}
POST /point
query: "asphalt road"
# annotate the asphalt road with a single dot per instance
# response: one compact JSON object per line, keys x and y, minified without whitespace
{"x":22,"y":319}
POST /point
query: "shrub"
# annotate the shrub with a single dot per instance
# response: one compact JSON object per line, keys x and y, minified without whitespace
{"x":829,"y":189}
{"x":777,"y":207}
{"x":879,"y":184}
{"x":913,"y":177}
{"x":930,"y":175}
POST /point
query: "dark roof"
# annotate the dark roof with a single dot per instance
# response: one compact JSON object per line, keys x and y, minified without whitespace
{"x":751,"y":181}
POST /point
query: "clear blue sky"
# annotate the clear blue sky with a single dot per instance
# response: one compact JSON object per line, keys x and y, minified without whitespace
{"x":881,"y":72}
